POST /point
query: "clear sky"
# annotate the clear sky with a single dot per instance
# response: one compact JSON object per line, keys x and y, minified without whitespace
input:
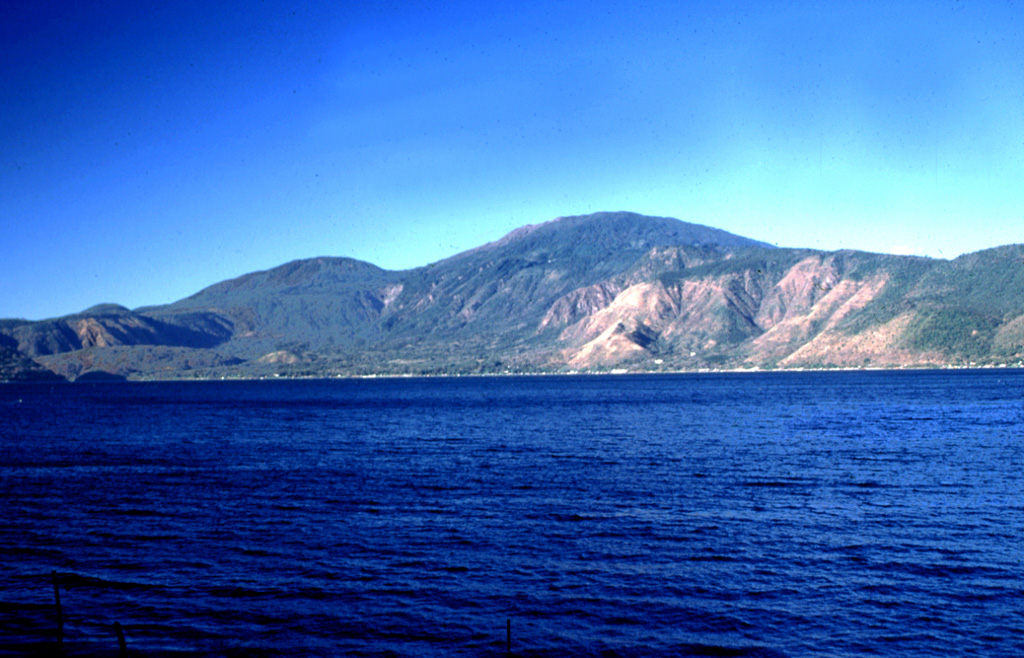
{"x":150,"y":149}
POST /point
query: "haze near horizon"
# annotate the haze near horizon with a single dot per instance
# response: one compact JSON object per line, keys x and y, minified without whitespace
{"x":150,"y":151}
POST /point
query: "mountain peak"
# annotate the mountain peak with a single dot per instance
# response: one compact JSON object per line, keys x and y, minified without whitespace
{"x":622,"y":228}
{"x":105,"y":309}
{"x":302,"y":273}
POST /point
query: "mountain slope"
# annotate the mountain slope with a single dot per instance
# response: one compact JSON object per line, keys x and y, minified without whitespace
{"x":971,"y":306}
{"x":309,"y":304}
{"x":593,"y":292}
{"x":505,"y":288}
{"x":107,"y":325}
{"x":16,"y":367}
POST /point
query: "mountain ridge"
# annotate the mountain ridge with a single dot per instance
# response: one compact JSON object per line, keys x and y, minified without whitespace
{"x":593,"y":293}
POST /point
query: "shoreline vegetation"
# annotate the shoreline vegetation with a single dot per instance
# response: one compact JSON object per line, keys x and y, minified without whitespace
{"x":616,"y":372}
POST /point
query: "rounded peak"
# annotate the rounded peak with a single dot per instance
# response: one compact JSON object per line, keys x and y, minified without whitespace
{"x":1008,"y":257}
{"x":632,"y":228}
{"x":321,"y":263}
{"x":308,"y":273}
{"x":105,"y":309}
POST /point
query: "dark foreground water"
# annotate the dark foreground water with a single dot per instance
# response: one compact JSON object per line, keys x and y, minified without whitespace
{"x":798,"y":514}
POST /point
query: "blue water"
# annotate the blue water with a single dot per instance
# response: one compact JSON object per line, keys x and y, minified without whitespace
{"x":775,"y":514}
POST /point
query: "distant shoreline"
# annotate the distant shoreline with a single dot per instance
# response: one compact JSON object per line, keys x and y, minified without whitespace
{"x":512,"y":375}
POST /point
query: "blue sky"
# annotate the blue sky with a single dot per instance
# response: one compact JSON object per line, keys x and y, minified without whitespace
{"x":152,"y":149}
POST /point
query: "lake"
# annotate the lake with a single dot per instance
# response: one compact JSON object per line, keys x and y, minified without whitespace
{"x":757,"y":514}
